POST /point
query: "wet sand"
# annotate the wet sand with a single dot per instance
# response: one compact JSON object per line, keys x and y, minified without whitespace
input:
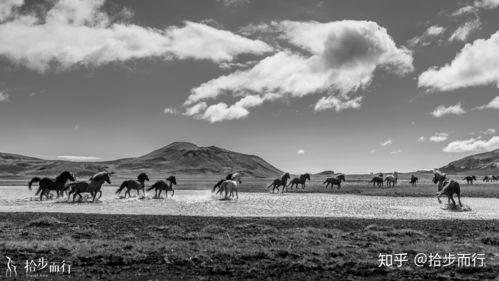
{"x":204,"y":203}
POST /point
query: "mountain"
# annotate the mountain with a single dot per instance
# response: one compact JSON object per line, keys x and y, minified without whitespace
{"x":483,"y":163}
{"x":180,"y":158}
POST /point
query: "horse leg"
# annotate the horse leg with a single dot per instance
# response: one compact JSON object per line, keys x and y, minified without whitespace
{"x":158,"y":196}
{"x":438,"y":198}
{"x":459,"y":199}
{"x":41,"y":193}
{"x":451,"y":197}
{"x":237,"y":195}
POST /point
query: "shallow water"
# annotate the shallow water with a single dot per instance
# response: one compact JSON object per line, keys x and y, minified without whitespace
{"x":203,"y":203}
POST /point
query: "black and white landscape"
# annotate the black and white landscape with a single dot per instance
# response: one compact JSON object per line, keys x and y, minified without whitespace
{"x":249,"y":139}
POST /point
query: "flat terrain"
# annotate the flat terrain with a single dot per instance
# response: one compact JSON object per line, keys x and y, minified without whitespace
{"x":124,"y":247}
{"x":355,"y":184}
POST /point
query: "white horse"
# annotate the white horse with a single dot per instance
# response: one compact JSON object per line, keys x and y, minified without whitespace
{"x":231,"y":185}
{"x":392,"y":179}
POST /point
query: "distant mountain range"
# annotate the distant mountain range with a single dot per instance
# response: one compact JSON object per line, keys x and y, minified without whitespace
{"x":181,"y":158}
{"x":483,"y":163}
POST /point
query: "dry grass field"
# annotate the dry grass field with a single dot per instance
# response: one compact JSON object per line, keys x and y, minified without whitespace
{"x":119,"y":247}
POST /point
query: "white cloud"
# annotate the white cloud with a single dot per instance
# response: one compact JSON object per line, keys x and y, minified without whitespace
{"x":428,"y":36}
{"x":473,"y":145}
{"x":372,"y":151}
{"x":221,"y":111}
{"x":489,"y":131}
{"x":493,"y":104}
{"x":7,"y":8}
{"x":387,"y":142}
{"x":396,"y":151}
{"x":475,"y":65}
{"x":422,"y":139}
{"x":4,"y":97}
{"x":170,"y":110}
{"x":79,"y":32}
{"x":300,"y":151}
{"x":337,"y":59}
{"x":443,"y":110}
{"x":476,"y":6}
{"x":464,"y":31}
{"x":439,"y":137}
{"x":234,"y":3}
{"x":337,"y":104}
{"x":78,"y":158}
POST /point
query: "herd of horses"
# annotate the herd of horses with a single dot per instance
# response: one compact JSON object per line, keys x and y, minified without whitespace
{"x":93,"y":185}
{"x":66,"y":183}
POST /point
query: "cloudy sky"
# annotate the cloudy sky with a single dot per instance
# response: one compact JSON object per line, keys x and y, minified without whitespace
{"x":309,"y":85}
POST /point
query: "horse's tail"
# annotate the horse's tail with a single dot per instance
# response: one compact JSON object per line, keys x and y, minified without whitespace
{"x":270,"y":185}
{"x":122,"y":186}
{"x":33,"y":180}
{"x":325,"y":181}
{"x":153,"y":186}
{"x":218,"y":184}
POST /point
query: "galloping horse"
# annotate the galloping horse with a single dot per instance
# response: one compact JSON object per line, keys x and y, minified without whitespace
{"x":162,"y":185}
{"x":414,"y":180}
{"x":447,"y":187}
{"x":392,"y":179}
{"x":377,"y":180}
{"x":470,"y":179}
{"x":93,"y":186}
{"x":48,"y":184}
{"x":283,"y":181}
{"x":335,"y":181}
{"x":487,"y":178}
{"x":139,"y":184}
{"x":219,"y":184}
{"x":231,"y":185}
{"x":301,"y":180}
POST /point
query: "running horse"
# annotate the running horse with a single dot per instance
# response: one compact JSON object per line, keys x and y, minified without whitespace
{"x":219,"y":184}
{"x":392,"y":179}
{"x":231,"y":185}
{"x":283,"y":181}
{"x":414,"y":180}
{"x":138,"y":185}
{"x":301,"y":180}
{"x":334,"y":181}
{"x":48,"y":184}
{"x":447,"y":187}
{"x":162,"y":185}
{"x":469,"y":179}
{"x":377,"y":180}
{"x":92,"y":186}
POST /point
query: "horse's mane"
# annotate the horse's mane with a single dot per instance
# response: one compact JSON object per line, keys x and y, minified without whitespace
{"x":98,"y":176}
{"x":62,"y":174}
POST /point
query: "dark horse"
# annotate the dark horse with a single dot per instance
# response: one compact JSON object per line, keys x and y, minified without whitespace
{"x":447,"y":187}
{"x":414,"y":180}
{"x":283,"y":181}
{"x":470,"y":179}
{"x":334,"y":181}
{"x":139,"y":184}
{"x":93,"y":186}
{"x":48,"y":184}
{"x":301,"y":180}
{"x":162,"y":185}
{"x":377,"y":180}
